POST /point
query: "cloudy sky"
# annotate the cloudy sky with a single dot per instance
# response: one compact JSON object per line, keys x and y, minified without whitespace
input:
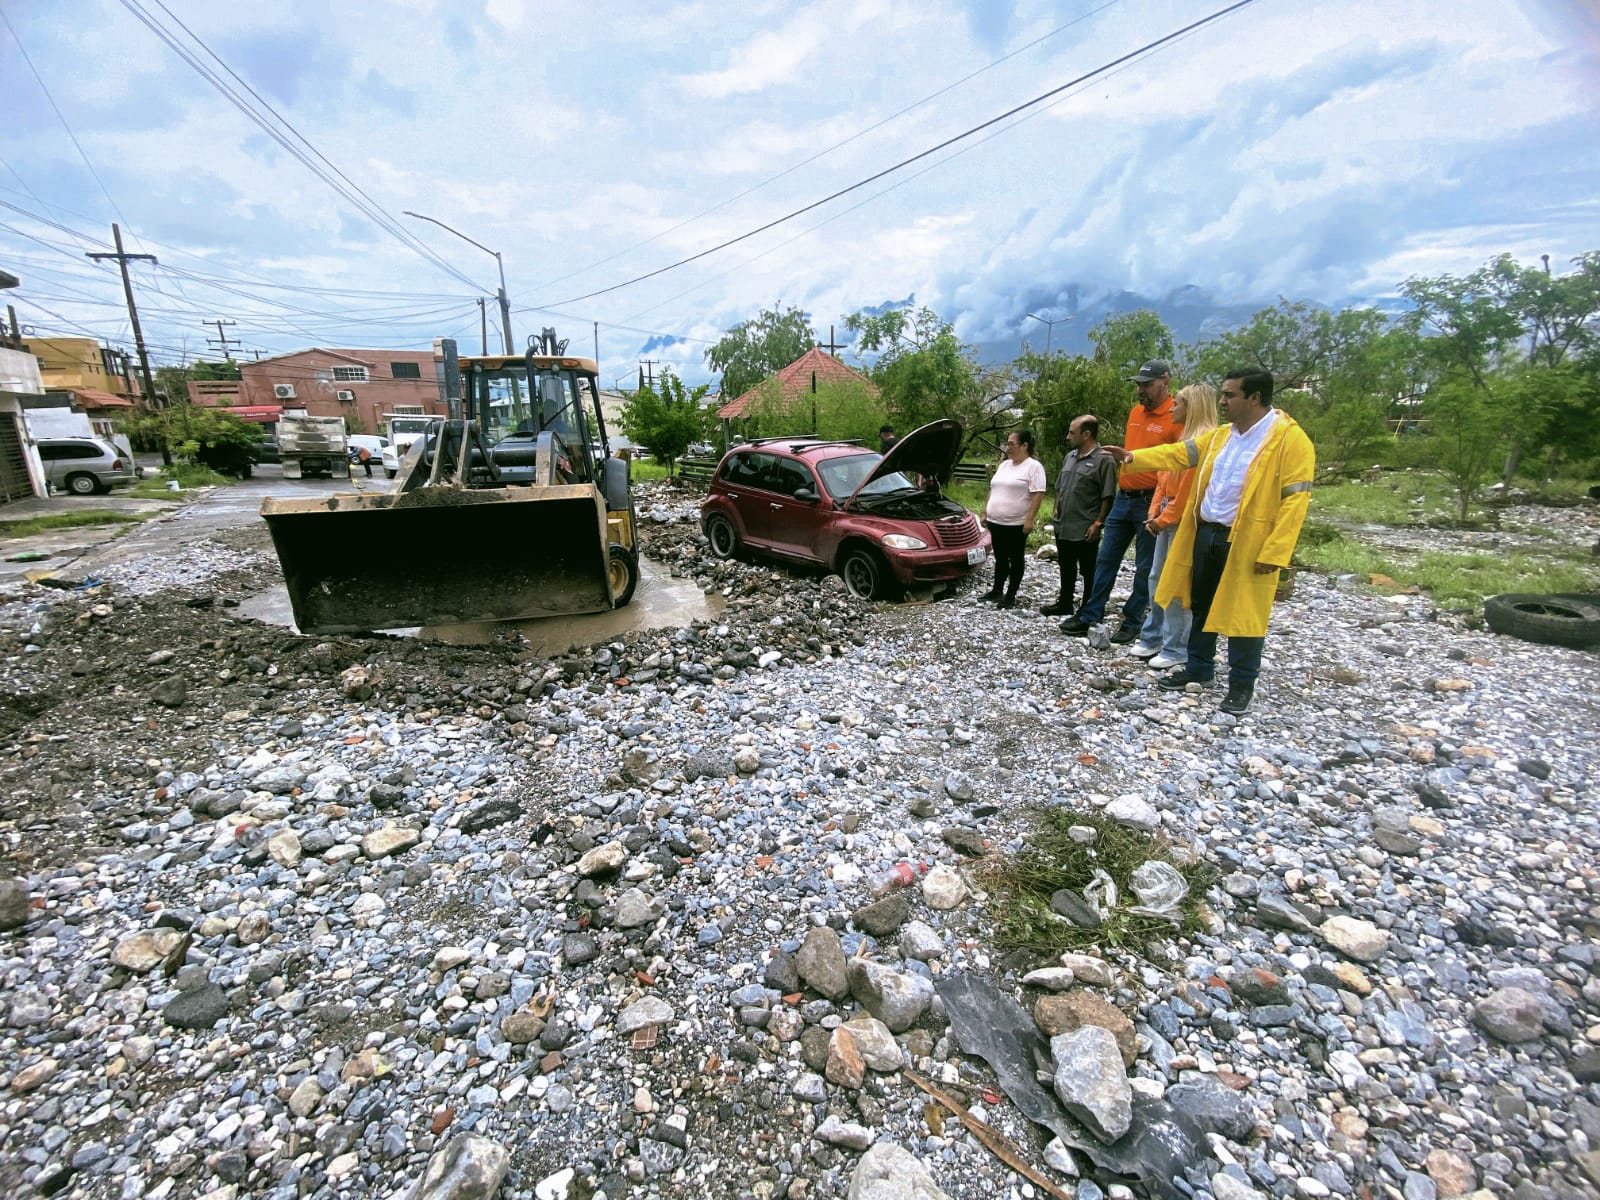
{"x":1317,"y":150}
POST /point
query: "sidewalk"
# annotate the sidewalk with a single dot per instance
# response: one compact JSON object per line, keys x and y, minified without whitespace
{"x":61,"y":547}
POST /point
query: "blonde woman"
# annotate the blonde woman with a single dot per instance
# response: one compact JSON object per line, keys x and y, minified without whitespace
{"x":1164,"y":639}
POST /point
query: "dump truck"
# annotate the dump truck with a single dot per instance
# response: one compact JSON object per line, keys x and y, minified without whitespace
{"x":515,"y":508}
{"x":312,"y":446}
{"x":401,"y":429}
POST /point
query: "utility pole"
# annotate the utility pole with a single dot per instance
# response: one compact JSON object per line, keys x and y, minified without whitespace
{"x":647,"y":374}
{"x":222,"y":339}
{"x":483,"y":325}
{"x":123,"y":258}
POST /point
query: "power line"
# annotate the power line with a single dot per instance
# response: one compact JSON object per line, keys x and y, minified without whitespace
{"x":347,"y":189}
{"x":950,"y":141}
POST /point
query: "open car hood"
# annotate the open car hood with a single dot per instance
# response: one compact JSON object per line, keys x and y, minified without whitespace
{"x":931,"y":450}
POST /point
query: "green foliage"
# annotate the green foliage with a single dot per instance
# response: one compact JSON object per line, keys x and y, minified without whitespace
{"x":1053,"y":859}
{"x":754,"y":349}
{"x":836,"y":411}
{"x":202,"y":371}
{"x":1057,"y":390}
{"x":1468,"y":429}
{"x":214,"y":438}
{"x":666,"y":418}
{"x":1127,"y":341}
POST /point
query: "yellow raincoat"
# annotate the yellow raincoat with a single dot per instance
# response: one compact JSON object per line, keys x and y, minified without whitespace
{"x":1277,"y":491}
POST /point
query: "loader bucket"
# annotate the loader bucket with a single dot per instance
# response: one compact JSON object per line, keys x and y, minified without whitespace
{"x":442,"y":555}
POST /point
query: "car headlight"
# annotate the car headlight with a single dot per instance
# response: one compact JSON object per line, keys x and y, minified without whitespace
{"x":904,"y":541}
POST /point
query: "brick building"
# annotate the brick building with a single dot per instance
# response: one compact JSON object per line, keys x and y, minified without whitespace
{"x":358,"y":385}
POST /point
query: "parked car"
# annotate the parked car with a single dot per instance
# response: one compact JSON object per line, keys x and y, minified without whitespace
{"x":267,"y":451}
{"x":878,"y":520}
{"x":84,"y":465}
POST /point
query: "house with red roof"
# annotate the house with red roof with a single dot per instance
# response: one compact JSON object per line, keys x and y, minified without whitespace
{"x":790,"y":391}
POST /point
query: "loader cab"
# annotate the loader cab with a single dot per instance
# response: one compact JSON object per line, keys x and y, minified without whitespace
{"x":516,"y":398}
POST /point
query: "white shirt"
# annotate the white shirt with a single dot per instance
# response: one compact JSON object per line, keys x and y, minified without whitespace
{"x":1225,"y":489}
{"x":1012,"y":489}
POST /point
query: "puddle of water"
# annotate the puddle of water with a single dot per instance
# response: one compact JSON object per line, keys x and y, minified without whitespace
{"x":659,"y":602}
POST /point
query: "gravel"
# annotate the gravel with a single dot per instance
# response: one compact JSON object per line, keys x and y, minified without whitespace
{"x":607,"y":918}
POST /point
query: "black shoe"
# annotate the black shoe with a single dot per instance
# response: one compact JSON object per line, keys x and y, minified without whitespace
{"x":1179,"y":680}
{"x":1125,"y":633}
{"x":1006,"y":602}
{"x":991,"y":595}
{"x":1073,"y":627}
{"x":1237,"y":701}
{"x":1057,"y":608}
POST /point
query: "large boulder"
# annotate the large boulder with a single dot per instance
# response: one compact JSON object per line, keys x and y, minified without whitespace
{"x":1090,"y":1081}
{"x":891,"y":1172}
{"x":894,"y":998}
{"x":465,"y":1168}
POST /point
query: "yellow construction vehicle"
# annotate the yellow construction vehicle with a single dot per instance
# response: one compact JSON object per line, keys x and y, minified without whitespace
{"x":512,"y":507}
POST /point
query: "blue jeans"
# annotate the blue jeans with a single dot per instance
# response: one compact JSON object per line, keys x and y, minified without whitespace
{"x":1124,"y":524}
{"x":1244,"y":653}
{"x":1165,"y":629}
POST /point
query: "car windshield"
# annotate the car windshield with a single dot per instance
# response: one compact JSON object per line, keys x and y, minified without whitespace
{"x":842,"y":476}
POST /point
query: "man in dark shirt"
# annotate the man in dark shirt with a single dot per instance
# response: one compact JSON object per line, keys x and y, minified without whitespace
{"x":1085,"y":490}
{"x":886,"y":439}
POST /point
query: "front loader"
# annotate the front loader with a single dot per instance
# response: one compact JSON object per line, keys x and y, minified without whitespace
{"x":513,"y":507}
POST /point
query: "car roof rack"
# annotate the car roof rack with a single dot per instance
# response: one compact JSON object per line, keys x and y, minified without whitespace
{"x":786,"y":437}
{"x":818,"y":445}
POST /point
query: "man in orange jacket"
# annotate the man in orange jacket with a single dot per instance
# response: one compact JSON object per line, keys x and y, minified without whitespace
{"x":1149,"y":424}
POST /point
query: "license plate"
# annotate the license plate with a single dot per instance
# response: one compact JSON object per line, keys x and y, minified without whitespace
{"x":975,"y":555}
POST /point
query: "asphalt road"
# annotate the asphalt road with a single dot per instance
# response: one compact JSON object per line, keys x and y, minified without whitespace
{"x":185,"y":518}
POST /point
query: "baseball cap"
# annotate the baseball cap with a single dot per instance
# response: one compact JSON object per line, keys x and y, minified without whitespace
{"x":1154,"y":369}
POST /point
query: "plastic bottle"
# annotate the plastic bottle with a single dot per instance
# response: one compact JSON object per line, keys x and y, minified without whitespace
{"x":898,"y":876}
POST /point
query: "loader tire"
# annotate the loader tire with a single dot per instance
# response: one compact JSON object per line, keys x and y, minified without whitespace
{"x":624,"y":575}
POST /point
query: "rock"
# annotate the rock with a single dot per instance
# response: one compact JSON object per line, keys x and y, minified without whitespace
{"x":958,"y":786}
{"x":13,"y":903}
{"x":838,"y":1133}
{"x":465,"y":1168}
{"x":895,"y":999}
{"x":145,"y":951}
{"x":890,"y":1172}
{"x":557,"y":1186}
{"x":1069,"y":904}
{"x":521,"y":1028}
{"x":1089,"y":969}
{"x":198,"y":1009}
{"x":643,"y":1013}
{"x":359,"y":682}
{"x":602,"y":860}
{"x":284,"y":848}
{"x":781,"y":974}
{"x":814,"y":1043}
{"x":943,"y":889}
{"x":306,"y":1096}
{"x":1134,"y":811}
{"x":635,"y":908}
{"x":578,"y":948}
{"x":34,"y":1075}
{"x":709,"y":764}
{"x":1214,"y":1107}
{"x":845,"y":1065}
{"x":810,"y":1088}
{"x":390,"y":839}
{"x":1255,"y":986}
{"x":1510,"y":1014}
{"x":882,"y":917}
{"x":171,"y":692}
{"x":1354,"y":938}
{"x":1055,"y":979}
{"x":1089,"y":1081}
{"x":1056,"y":1015}
{"x":1226,"y":1187}
{"x":1452,"y":1173}
{"x":878,"y":1048}
{"x":1276,"y":911}
{"x":920,"y":942}
{"x":964,"y":841}
{"x":821,"y":964}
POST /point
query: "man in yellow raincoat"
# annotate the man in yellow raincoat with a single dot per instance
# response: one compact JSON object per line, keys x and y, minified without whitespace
{"x":1239,"y":529}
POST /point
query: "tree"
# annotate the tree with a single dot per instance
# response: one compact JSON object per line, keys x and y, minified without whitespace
{"x":1058,"y":389}
{"x":215,"y":438}
{"x":754,"y":349}
{"x":1127,"y":341}
{"x":835,"y":411}
{"x":666,"y":418}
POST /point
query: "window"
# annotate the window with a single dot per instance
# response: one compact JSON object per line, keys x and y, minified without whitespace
{"x":405,"y":370}
{"x":745,"y":470}
{"x":410,"y":410}
{"x":350,"y":375}
{"x":787,"y":477}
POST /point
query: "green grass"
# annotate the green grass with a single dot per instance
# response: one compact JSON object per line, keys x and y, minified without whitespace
{"x":188,"y":475}
{"x":1053,"y":860}
{"x":649,"y":472}
{"x":1395,"y":498}
{"x":73,"y":520}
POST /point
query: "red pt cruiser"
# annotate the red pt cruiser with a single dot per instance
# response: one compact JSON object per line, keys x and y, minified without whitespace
{"x":878,"y":520}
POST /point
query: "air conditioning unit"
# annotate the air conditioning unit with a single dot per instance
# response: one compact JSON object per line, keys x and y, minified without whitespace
{"x":283,"y":391}
{"x":348,"y":396}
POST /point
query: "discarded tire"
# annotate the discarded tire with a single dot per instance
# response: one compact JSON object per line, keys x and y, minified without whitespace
{"x":1563,"y":619}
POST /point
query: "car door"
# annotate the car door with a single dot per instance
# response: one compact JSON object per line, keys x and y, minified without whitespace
{"x":52,"y":455}
{"x":742,"y":481}
{"x":794,"y":524}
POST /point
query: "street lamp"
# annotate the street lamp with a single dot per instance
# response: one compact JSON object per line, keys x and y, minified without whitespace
{"x":1049,"y":329}
{"x":505,"y":304}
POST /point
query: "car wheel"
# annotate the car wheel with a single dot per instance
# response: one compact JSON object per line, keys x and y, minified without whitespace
{"x":624,"y":574}
{"x":82,"y":485}
{"x":865,"y":575}
{"x":389,"y":473}
{"x":724,"y":538}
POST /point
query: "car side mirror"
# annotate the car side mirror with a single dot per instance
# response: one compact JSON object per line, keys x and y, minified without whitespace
{"x":807,"y":496}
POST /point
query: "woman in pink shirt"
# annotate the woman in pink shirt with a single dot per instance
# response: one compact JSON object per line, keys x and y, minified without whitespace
{"x":1164,"y":639}
{"x":1015,"y":494}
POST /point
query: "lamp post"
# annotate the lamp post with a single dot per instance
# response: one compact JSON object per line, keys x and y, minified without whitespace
{"x":505,"y":304}
{"x":1049,"y":329}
